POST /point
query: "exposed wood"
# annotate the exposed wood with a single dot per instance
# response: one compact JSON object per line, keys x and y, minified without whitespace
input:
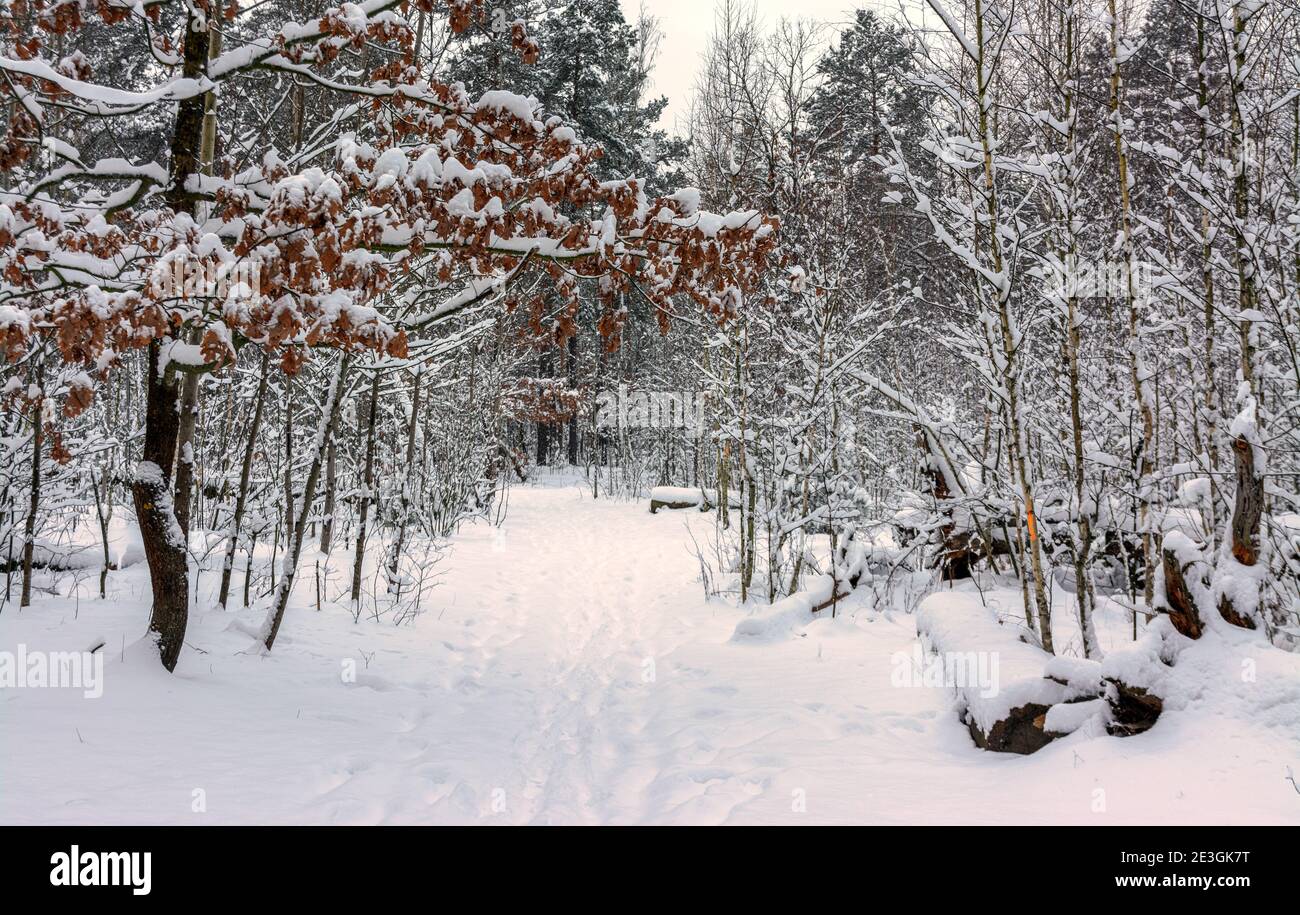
{"x":1133,"y":709}
{"x":702,"y":504}
{"x":1182,"y":604}
{"x":1245,"y":524}
{"x":1020,"y":732}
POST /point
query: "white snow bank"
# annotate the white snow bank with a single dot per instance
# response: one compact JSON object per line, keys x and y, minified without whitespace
{"x":1141,"y":663}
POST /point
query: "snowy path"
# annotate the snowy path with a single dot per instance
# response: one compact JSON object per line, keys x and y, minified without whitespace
{"x":569,"y":670}
{"x":598,"y":686}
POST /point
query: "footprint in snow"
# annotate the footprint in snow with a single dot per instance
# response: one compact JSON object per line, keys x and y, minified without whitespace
{"x":856,"y":728}
{"x":906,"y":724}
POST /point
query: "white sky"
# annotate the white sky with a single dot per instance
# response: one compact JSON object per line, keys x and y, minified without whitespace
{"x":687,"y":25}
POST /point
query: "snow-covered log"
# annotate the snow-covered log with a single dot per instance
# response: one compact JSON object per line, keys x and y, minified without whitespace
{"x":822,"y":592}
{"x":687,"y":497}
{"x":66,"y":557}
{"x":1135,"y":680}
{"x":679,"y":497}
{"x":1014,"y":696}
{"x":790,"y":614}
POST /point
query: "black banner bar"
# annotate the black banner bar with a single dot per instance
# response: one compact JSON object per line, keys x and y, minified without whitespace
{"x":336,"y":864}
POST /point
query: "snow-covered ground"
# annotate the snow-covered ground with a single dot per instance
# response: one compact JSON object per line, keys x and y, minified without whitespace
{"x":570,"y":670}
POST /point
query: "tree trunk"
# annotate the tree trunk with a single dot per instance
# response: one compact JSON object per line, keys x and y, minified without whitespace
{"x":327,"y":522}
{"x":164,"y":544}
{"x":543,"y":428}
{"x":573,"y":382}
{"x":189,"y":414}
{"x":248,"y":567}
{"x":103,"y":528}
{"x":245,"y":473}
{"x":293,"y":550}
{"x":393,"y":584}
{"x":288,"y":463}
{"x":29,"y":528}
{"x":1139,"y":375}
{"x":368,"y":483}
{"x":1183,"y":612}
{"x":1010,"y":336}
{"x":1245,"y":526}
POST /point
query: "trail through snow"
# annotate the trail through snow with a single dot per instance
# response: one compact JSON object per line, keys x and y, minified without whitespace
{"x":568,"y":670}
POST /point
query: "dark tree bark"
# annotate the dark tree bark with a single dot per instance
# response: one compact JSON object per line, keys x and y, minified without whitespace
{"x":327,"y":522}
{"x":573,"y":382}
{"x":520,"y":471}
{"x":1245,"y":524}
{"x":1249,"y":504}
{"x":1132,"y":708}
{"x":187,"y":135}
{"x":543,"y":428}
{"x":248,"y":567}
{"x":1182,"y":605}
{"x":164,"y":545}
{"x":1022,"y":731}
{"x":184,"y":486}
{"x":543,"y":443}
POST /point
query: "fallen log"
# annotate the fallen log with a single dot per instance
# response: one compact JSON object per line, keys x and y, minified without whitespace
{"x":1021,"y":731}
{"x":65,"y":557}
{"x":1031,"y":697}
{"x":678,"y":497}
{"x":789,"y":615}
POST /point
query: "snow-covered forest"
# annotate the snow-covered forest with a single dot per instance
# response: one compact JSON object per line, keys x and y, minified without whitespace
{"x":405,"y":420}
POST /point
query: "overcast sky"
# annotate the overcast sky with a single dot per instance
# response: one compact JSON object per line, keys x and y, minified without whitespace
{"x":687,"y":25}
